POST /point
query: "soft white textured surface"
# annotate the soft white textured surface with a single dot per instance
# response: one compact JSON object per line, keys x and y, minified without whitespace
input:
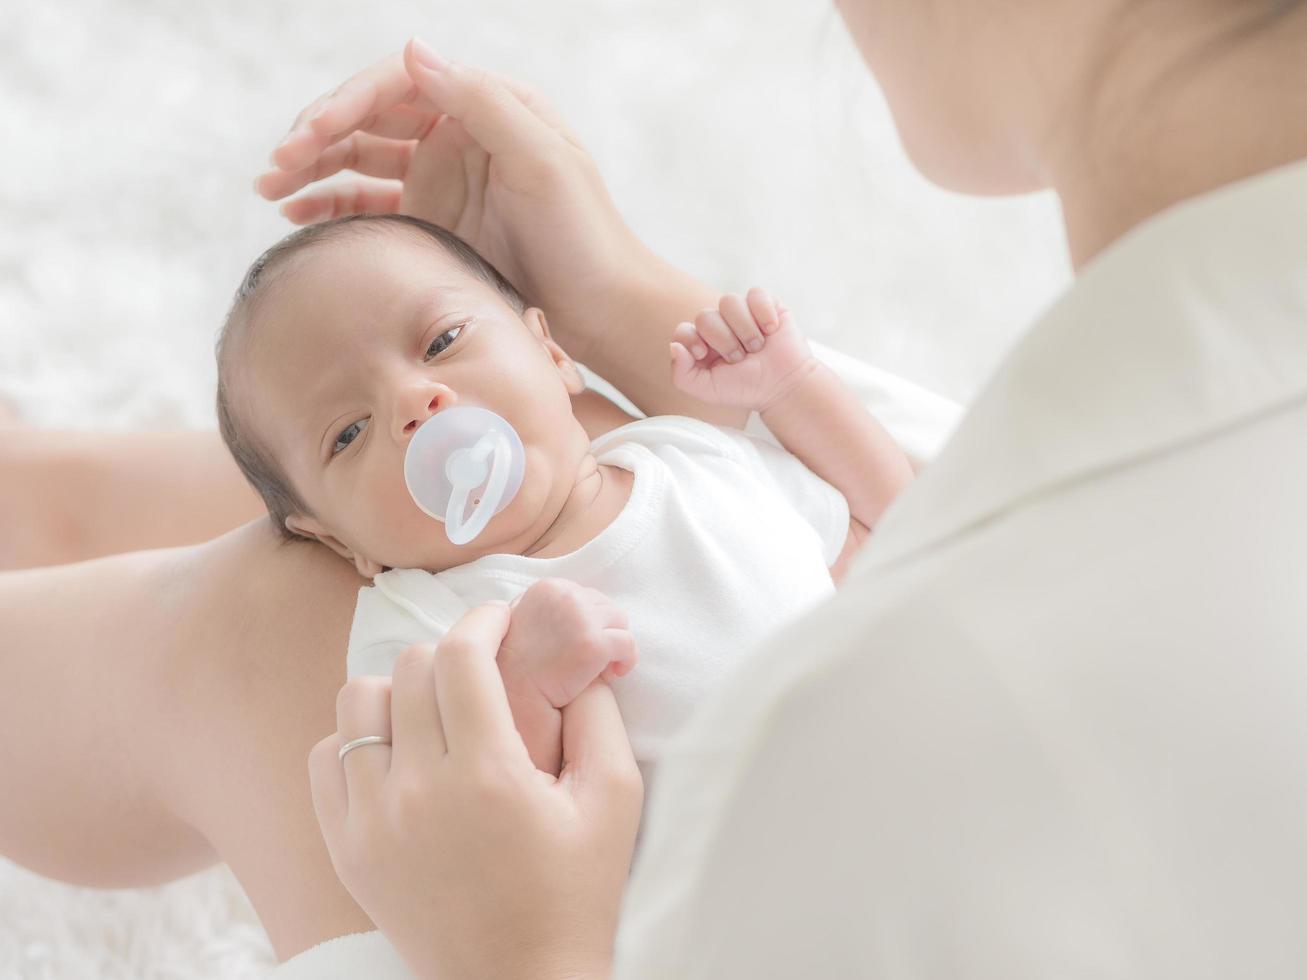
{"x":744,"y":141}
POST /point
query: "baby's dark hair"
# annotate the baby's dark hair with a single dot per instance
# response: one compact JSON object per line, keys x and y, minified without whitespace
{"x":260,"y":467}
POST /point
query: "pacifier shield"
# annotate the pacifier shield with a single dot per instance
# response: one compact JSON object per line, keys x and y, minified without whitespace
{"x":441,"y":458}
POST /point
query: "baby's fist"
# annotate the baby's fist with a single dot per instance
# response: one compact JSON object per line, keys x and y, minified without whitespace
{"x":563,"y":636}
{"x":748,"y":352}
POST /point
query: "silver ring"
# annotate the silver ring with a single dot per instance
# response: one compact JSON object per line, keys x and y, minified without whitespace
{"x":350,"y":746}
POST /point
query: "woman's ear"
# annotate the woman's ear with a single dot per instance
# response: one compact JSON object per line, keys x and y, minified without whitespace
{"x":571,"y":374}
{"x":311,"y":528}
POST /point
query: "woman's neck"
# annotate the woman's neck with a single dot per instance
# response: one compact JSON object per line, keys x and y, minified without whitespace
{"x":1175,"y":111}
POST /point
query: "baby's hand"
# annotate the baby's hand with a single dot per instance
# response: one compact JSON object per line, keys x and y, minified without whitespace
{"x":747,"y":353}
{"x":563,"y":636}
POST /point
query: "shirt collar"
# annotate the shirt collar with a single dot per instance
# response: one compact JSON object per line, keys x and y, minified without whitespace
{"x":1192,"y":321}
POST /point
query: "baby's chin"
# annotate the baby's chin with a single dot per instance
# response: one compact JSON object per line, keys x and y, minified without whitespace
{"x":434,"y":552}
{"x":425,"y":543}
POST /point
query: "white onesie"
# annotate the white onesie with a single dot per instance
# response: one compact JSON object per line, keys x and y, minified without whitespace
{"x":725,"y":537}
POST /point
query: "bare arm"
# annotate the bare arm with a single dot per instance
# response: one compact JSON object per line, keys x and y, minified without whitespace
{"x":749,"y":352}
{"x":822,"y":423}
{"x":157,"y":713}
{"x":630,"y":336}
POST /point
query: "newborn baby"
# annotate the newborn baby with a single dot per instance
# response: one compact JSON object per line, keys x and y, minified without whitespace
{"x":696,"y":540}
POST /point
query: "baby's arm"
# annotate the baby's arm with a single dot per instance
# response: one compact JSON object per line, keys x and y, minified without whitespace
{"x":750,"y":353}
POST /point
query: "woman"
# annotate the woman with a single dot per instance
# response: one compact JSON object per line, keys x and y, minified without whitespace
{"x":1052,"y":725}
{"x":978,"y":862}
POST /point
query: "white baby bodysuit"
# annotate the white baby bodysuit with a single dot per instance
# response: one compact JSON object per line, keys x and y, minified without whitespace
{"x":725,"y":537}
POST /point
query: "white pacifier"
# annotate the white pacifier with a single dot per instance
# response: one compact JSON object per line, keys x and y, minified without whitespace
{"x":459,"y":453}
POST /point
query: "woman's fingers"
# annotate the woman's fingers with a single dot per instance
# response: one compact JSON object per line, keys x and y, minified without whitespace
{"x":491,"y":113}
{"x":541,"y":107}
{"x":360,"y":152}
{"x":361,"y":196}
{"x":470,"y":689}
{"x":415,"y":713}
{"x":362,"y":709}
{"x":370,"y":92}
{"x":597,"y":756}
{"x":350,"y":105}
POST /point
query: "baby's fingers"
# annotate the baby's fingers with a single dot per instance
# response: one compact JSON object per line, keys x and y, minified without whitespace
{"x":738,"y":317}
{"x":717,"y":335}
{"x":622,"y":652}
{"x":689,"y":338}
{"x":764,"y":310}
{"x":682,"y":365}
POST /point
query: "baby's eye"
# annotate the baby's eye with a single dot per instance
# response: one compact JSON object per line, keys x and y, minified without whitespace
{"x":452,"y":332}
{"x":348,"y":435}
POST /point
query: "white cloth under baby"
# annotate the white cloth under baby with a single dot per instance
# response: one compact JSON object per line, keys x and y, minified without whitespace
{"x":725,"y":538}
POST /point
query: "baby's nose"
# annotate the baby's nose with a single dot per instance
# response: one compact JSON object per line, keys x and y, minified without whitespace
{"x":421,"y":406}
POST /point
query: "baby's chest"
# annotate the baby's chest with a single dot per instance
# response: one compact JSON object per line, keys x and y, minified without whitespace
{"x":700,"y":602}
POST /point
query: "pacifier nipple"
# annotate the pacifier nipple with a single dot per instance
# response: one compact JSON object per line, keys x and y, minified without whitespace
{"x":463,"y":469}
{"x":459,"y":454}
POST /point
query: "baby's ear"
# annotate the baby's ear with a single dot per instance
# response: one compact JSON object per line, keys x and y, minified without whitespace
{"x":536,"y":323}
{"x":308,"y":527}
{"x":571,"y":374}
{"x":304,"y":527}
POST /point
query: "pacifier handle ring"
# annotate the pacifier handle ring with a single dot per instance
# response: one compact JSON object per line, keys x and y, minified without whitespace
{"x":458,"y":532}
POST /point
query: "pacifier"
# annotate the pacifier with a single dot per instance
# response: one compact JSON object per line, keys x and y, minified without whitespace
{"x":464,"y":453}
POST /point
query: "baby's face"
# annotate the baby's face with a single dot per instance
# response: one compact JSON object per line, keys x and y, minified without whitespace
{"x":362,"y":341}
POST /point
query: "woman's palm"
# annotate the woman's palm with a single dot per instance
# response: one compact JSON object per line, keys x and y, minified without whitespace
{"x":507,"y":175}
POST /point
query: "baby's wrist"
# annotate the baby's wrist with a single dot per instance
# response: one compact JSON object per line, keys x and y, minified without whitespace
{"x":788,"y":386}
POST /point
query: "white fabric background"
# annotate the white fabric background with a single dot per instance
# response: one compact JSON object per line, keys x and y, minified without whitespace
{"x":744,"y":141}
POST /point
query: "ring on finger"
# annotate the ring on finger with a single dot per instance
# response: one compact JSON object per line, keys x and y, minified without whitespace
{"x":358,"y":743}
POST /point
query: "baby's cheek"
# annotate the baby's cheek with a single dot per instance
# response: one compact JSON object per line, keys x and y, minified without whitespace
{"x":399,"y":534}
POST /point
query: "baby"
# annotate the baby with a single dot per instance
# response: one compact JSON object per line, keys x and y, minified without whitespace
{"x":694,"y":540}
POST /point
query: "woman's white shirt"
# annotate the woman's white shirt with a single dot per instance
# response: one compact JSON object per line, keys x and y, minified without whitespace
{"x":1055,"y":723}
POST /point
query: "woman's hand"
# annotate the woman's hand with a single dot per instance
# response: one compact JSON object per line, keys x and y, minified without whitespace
{"x":478,"y":154}
{"x":471,"y":861}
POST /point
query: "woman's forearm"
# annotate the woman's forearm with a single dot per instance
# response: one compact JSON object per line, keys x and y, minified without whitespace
{"x":72,"y":495}
{"x":822,"y":423}
{"x":626,"y":339}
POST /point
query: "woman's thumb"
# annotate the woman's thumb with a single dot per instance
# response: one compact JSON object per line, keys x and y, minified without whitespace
{"x":490,"y":114}
{"x":597,"y":750}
